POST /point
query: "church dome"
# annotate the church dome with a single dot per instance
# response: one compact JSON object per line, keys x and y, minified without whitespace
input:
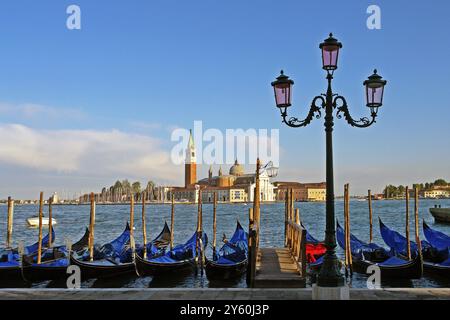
{"x":237,"y":169}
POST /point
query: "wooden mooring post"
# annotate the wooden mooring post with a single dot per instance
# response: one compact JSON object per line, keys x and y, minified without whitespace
{"x":144,"y":228}
{"x":286,"y":216}
{"x":132,"y":242}
{"x":41,"y":203}
{"x":408,"y":243}
{"x":172,"y":220}
{"x":369,"y":198}
{"x":91,"y":227}
{"x":214,"y":223}
{"x":9,"y":227}
{"x":348,"y":249}
{"x":50,"y":222}
{"x":416,"y":218}
{"x":252,"y":254}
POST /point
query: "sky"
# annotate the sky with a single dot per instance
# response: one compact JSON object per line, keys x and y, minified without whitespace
{"x":80,"y":109}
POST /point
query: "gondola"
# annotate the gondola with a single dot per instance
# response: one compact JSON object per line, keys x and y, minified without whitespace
{"x":232,"y":259}
{"x":54,"y":262}
{"x":436,"y":239}
{"x":435,"y":251}
{"x":391,"y":266}
{"x":179,"y":260}
{"x":10,"y":260}
{"x":115,"y":258}
{"x":397,"y":243}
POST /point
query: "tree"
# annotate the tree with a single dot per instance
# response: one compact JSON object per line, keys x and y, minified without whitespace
{"x":150,"y":190}
{"x":136,"y":187}
{"x":441,"y":183}
{"x":126,"y":185}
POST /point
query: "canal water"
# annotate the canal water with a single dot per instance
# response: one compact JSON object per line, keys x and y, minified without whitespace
{"x":111,"y":220}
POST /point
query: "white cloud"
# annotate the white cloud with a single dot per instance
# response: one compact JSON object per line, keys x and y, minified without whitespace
{"x":109,"y":153}
{"x":32,"y":110}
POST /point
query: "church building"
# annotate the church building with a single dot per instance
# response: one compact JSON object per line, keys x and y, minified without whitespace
{"x":236,"y":186}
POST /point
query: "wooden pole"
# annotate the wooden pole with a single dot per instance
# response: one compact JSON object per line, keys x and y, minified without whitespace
{"x":132,"y":243}
{"x":172,"y":221}
{"x":297,"y":233}
{"x":144,"y":228}
{"x":416,"y":218}
{"x":346,"y":228}
{"x":251,"y":244}
{"x":9,"y":229}
{"x":292,"y":205}
{"x":286,"y":216}
{"x":256,"y":202}
{"x":214,"y":222}
{"x":291,"y":218}
{"x":50,"y":222}
{"x":91,"y":227}
{"x":199,"y":250}
{"x":199,"y":228}
{"x":370,"y":216}
{"x":350,"y":258}
{"x":199,"y":212}
{"x":41,"y":202}
{"x":408,"y":244}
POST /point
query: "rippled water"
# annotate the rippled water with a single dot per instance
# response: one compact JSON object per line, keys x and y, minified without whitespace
{"x":111,"y":220}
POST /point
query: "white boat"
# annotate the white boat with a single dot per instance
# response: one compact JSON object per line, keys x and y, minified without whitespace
{"x":34,"y":222}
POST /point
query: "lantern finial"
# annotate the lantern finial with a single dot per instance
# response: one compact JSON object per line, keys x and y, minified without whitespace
{"x":375,"y":71}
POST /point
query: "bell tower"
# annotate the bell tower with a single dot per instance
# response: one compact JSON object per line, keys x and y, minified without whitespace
{"x":190,"y":166}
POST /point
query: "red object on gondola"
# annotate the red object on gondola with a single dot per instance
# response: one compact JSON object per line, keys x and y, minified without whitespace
{"x":314,"y":251}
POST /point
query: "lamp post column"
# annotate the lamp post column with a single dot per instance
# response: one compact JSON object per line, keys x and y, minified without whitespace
{"x":330,"y":275}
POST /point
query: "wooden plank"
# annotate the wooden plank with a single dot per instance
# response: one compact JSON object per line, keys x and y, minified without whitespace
{"x":277,"y":269}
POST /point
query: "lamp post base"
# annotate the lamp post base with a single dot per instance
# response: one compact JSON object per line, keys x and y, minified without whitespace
{"x":330,"y":274}
{"x":330,"y":293}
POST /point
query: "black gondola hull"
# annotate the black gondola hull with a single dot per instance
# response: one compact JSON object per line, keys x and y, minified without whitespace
{"x":411,"y":270}
{"x":148,"y":268}
{"x":224,"y":272}
{"x":9,"y":275}
{"x":432,"y":269}
{"x":91,"y":270}
{"x":35,"y":273}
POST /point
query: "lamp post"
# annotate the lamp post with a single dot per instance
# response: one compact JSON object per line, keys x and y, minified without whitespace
{"x":330,"y":275}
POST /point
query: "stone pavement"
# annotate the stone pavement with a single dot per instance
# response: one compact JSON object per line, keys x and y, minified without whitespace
{"x":215,"y":294}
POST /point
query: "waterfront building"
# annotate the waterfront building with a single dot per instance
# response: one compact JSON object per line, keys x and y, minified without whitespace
{"x":302,"y":191}
{"x":437,"y":192}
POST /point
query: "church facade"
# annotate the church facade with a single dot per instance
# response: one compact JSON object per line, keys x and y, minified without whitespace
{"x":234,"y":187}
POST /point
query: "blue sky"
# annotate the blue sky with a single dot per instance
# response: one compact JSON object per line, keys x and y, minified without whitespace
{"x":115,"y":89}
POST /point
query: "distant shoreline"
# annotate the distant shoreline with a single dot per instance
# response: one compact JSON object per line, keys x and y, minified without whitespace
{"x":339,"y":198}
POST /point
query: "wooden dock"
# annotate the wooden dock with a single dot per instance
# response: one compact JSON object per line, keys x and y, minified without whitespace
{"x":277,"y":269}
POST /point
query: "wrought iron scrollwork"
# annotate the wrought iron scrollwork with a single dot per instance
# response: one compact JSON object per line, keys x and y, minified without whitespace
{"x":314,"y":111}
{"x":343,"y":110}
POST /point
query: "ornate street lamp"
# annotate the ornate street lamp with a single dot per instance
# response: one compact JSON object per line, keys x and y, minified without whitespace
{"x":330,"y":275}
{"x":330,"y":53}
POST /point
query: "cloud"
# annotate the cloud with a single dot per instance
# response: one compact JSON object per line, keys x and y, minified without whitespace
{"x":144,"y":126}
{"x":33,"y":110}
{"x":111,"y":153}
